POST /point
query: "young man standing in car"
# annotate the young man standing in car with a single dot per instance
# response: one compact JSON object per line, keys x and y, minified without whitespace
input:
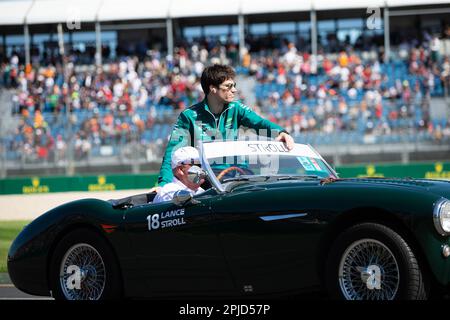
{"x":218,"y":116}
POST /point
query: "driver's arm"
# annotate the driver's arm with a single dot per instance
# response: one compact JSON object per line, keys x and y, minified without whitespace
{"x":167,"y":196}
{"x":166,"y":193}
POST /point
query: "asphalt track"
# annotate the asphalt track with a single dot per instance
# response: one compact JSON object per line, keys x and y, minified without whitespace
{"x":9,"y":292}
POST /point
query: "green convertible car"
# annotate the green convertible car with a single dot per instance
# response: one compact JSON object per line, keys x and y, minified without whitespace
{"x":271,"y":221}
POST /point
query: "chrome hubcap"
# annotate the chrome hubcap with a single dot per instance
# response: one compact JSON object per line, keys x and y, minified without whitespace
{"x":368,"y":271}
{"x":82,"y":274}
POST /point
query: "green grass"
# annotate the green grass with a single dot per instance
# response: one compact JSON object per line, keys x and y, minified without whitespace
{"x":8,"y":232}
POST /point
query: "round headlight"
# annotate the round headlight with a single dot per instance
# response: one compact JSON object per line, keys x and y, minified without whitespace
{"x":441,"y":216}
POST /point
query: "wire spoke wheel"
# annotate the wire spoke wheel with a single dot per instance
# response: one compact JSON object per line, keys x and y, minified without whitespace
{"x":82,"y":273}
{"x":368,"y":270}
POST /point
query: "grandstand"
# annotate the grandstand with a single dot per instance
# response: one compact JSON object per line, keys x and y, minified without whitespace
{"x":97,"y":85}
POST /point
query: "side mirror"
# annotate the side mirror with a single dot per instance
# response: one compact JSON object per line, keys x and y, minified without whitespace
{"x":181,"y":197}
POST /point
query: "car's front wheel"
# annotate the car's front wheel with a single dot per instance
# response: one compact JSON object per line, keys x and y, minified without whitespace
{"x":84,"y":268}
{"x":370,"y":261}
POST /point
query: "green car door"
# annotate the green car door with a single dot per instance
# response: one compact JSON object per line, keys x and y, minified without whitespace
{"x":177,"y":247}
{"x":270,"y":241}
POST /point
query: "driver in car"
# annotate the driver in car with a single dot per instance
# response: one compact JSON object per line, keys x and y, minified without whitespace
{"x":187,"y":175}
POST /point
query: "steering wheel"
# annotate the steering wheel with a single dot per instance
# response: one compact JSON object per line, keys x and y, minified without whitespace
{"x":225,"y":171}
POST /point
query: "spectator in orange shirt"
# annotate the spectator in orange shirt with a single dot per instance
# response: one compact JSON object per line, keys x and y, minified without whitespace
{"x":343,"y":59}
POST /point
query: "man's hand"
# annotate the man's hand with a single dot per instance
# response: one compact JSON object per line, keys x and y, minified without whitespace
{"x":287,"y":139}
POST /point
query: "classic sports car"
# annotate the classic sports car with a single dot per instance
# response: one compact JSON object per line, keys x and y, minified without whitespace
{"x":271,"y":221}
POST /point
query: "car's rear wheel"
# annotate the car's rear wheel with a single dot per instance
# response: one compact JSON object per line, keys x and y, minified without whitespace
{"x":83,"y":267}
{"x":370,"y":261}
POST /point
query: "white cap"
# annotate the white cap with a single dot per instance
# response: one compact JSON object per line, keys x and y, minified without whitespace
{"x":185,"y":155}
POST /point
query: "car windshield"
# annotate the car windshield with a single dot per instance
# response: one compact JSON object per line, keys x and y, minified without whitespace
{"x":262,"y":161}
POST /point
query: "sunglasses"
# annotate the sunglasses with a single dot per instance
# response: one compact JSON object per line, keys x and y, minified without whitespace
{"x":191,"y":162}
{"x":229,"y":86}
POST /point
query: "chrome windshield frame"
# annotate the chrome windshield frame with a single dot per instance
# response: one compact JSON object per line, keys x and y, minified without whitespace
{"x":216,"y":183}
{"x":326,"y":163}
{"x":205,"y":165}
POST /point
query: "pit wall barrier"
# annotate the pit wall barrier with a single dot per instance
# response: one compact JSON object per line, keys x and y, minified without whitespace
{"x":47,"y":184}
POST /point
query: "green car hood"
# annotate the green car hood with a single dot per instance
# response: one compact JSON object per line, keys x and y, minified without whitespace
{"x":436,"y":187}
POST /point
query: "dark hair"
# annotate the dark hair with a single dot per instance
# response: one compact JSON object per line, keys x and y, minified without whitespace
{"x":215,"y":75}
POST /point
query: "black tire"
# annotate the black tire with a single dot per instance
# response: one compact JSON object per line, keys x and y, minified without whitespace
{"x":103,"y":270}
{"x":350,"y":276}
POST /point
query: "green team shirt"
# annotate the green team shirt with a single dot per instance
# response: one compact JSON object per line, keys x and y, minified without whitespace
{"x":199,"y":123}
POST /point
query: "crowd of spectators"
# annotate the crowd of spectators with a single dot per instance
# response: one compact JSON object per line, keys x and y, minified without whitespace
{"x":109,"y":105}
{"x":348,"y":91}
{"x":122,"y":101}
